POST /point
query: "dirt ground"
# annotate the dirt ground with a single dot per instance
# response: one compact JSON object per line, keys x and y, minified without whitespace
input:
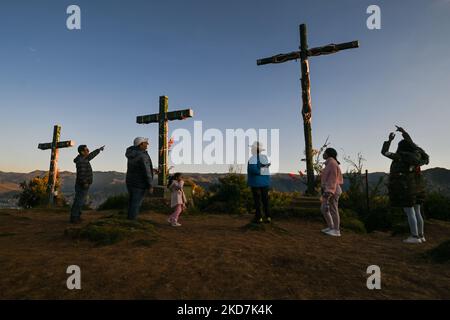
{"x":214,"y":257}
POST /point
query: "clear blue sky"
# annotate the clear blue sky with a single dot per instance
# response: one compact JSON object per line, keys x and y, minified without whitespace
{"x":202,"y":54}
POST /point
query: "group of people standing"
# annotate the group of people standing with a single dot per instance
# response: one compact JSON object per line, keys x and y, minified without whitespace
{"x":406,"y":184}
{"x":139,"y":181}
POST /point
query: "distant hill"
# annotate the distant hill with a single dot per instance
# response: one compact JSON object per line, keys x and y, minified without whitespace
{"x":112,"y":182}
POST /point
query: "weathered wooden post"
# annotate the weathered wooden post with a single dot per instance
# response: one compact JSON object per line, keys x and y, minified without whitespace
{"x":55,"y":145}
{"x":306,"y":109}
{"x":303,"y":55}
{"x":163,"y":118}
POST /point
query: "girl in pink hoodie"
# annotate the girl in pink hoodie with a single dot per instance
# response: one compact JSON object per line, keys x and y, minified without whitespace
{"x":331,"y":181}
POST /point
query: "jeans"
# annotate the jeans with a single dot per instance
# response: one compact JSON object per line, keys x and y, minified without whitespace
{"x":136,"y":196}
{"x":330,"y":210}
{"x":415,"y":220}
{"x":261,"y":194}
{"x":81,"y":194}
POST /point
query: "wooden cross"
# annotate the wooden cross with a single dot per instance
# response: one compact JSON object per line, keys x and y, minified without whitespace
{"x":163,"y":118}
{"x":303,"y":55}
{"x":55,"y":145}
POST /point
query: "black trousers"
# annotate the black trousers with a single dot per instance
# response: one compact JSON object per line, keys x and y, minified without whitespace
{"x":261,"y":194}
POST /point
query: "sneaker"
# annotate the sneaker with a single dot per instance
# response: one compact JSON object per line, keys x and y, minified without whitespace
{"x":260,"y":220}
{"x":412,"y":240}
{"x":175,"y":224}
{"x":169,"y":221}
{"x":333,"y":233}
{"x":325,"y":230}
{"x":422,"y":238}
{"x":268,"y":220}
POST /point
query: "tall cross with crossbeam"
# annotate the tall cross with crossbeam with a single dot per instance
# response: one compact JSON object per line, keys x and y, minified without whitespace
{"x":55,"y":145}
{"x":163,"y":118}
{"x":303,"y":55}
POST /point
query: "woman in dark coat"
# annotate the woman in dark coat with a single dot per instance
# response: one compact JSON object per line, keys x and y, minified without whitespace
{"x":406,"y":184}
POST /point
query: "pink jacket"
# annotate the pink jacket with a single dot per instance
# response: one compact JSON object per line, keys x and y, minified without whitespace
{"x":177,"y":196}
{"x":331,"y":176}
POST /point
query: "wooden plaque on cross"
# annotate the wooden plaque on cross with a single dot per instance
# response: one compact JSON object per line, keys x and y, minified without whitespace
{"x":163,"y":118}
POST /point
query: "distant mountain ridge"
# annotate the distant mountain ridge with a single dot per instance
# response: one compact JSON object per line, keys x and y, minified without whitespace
{"x":111,"y":182}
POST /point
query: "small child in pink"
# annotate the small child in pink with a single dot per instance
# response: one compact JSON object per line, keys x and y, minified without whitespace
{"x":331,"y":181}
{"x":177,"y":199}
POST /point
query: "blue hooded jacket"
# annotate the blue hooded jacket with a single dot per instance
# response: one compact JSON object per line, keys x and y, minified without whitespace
{"x":258,"y":176}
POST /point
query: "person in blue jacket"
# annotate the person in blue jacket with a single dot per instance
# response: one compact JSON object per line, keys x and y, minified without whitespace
{"x":258,"y":179}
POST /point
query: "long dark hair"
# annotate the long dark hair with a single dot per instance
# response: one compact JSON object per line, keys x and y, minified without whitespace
{"x":332,"y":153}
{"x":406,"y":146}
{"x":175,"y":176}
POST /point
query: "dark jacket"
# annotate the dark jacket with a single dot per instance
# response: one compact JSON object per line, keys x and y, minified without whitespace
{"x":139,"y":168}
{"x":84,"y":169}
{"x":406,"y":185}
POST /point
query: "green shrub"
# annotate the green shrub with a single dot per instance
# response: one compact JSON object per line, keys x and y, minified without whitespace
{"x":281,"y":199}
{"x":161,"y":205}
{"x":437,"y":206}
{"x":34,"y":193}
{"x":353,"y":224}
{"x":230,"y":195}
{"x":441,"y":253}
{"x":117,"y":202}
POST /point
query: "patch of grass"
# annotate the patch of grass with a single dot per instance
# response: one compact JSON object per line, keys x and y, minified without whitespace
{"x":22,"y":218}
{"x":353,"y":224}
{"x":297,"y":212}
{"x":144,"y":242}
{"x":264,"y":227}
{"x":7,"y":234}
{"x":441,"y":253}
{"x":119,"y":201}
{"x":111,"y":229}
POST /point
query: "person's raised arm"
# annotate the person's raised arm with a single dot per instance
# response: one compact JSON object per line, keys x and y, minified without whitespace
{"x":405,"y":134}
{"x":94,"y":153}
{"x":385,"y":149}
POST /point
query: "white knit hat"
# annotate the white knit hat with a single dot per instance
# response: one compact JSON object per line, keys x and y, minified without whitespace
{"x":258,"y":145}
{"x":137,"y":141}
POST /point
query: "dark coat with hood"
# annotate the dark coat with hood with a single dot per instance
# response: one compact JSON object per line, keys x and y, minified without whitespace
{"x":139,"y":168}
{"x":406,"y":184}
{"x":84,"y":169}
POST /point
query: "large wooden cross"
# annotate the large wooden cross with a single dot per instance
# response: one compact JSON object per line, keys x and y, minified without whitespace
{"x":303,"y":55}
{"x":55,"y":145}
{"x":163,"y":118}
